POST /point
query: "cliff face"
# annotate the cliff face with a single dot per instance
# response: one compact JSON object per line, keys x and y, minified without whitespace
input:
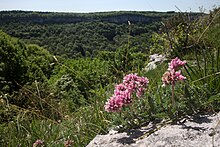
{"x":50,"y":18}
{"x":133,"y":18}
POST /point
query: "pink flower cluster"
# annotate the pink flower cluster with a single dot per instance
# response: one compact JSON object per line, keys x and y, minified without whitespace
{"x":171,"y":76}
{"x":176,"y":63}
{"x":132,"y":83}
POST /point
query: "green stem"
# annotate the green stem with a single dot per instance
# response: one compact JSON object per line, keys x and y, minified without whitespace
{"x":173,"y":100}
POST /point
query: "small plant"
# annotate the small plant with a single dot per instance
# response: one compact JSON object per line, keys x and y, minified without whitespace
{"x":171,"y":76}
{"x":132,"y":83}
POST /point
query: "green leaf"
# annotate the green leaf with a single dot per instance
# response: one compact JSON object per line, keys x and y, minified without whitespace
{"x":214,"y":98}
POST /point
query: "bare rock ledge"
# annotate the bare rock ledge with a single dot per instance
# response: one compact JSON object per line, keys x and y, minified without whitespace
{"x":193,"y":131}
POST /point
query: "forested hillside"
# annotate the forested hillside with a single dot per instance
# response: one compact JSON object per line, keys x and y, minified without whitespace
{"x":82,"y":34}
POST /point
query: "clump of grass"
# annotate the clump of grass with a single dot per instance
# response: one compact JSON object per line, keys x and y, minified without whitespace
{"x":79,"y":127}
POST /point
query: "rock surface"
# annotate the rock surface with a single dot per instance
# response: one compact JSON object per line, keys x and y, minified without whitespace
{"x":193,"y":131}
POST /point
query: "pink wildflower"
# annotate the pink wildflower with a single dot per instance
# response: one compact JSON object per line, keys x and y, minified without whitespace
{"x":126,"y":97}
{"x":114,"y":104}
{"x":171,"y":76}
{"x":130,"y":78}
{"x":119,"y":89}
{"x":133,"y":82}
{"x":176,"y":63}
{"x":37,"y":142}
{"x":68,"y":143}
{"x":142,"y":82}
{"x":124,"y":91}
{"x":166,"y":79}
{"x":178,"y":76}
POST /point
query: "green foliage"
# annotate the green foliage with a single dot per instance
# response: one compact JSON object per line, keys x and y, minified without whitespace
{"x":128,"y":59}
{"x":205,"y":71}
{"x":74,"y":35}
{"x":35,"y":99}
{"x":39,"y":63}
{"x":12,"y":63}
{"x":178,"y":34}
{"x":200,"y":93}
{"x":21,"y":67}
{"x":211,"y":36}
{"x":159,"y":44}
{"x":21,"y":64}
{"x":80,"y":126}
{"x":76,"y":80}
{"x":123,"y":59}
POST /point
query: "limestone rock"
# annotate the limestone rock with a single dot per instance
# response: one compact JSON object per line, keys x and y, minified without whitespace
{"x":193,"y":131}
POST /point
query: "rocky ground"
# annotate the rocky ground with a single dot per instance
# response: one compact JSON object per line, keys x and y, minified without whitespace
{"x":193,"y":131}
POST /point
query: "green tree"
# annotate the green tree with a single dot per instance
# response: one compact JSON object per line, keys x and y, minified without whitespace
{"x":22,"y":64}
{"x":12,"y":63}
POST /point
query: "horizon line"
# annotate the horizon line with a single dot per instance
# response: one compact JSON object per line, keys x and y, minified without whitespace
{"x":102,"y":11}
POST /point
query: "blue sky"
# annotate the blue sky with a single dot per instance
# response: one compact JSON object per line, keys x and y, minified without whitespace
{"x":107,"y":5}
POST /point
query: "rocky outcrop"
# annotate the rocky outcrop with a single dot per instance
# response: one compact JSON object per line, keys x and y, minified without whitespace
{"x":193,"y":131}
{"x":134,"y":18}
{"x":61,"y":18}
